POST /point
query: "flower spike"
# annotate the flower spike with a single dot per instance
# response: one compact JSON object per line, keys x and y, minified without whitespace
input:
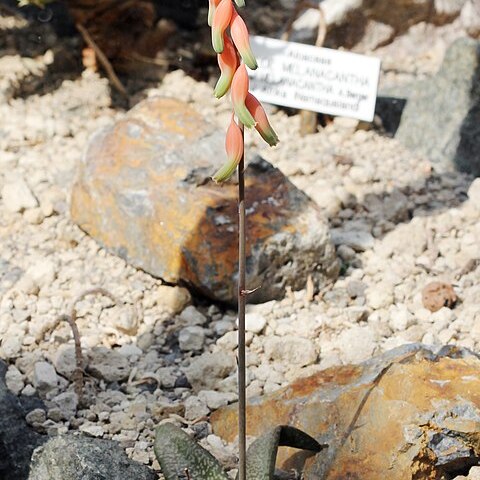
{"x":212,"y":5}
{"x":262,"y":124}
{"x":228,"y":63}
{"x":239,"y":91}
{"x":221,"y":20}
{"x":234,"y":148}
{"x":240,"y":36}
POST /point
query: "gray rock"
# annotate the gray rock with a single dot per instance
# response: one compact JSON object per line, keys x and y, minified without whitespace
{"x":67,"y":403}
{"x":207,"y":370}
{"x":14,"y":380}
{"x":195,"y":408}
{"x":359,"y":240}
{"x":108,"y":365}
{"x":191,"y":338}
{"x":81,"y":458}
{"x":45,"y":377}
{"x":445,"y":127}
{"x":17,"y":439}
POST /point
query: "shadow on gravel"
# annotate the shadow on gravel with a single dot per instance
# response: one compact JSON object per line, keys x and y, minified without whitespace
{"x":17,"y":439}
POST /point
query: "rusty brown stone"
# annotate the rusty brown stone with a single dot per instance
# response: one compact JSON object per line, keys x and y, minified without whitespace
{"x":144,"y":192}
{"x":408,"y":414}
{"x":436,"y":295}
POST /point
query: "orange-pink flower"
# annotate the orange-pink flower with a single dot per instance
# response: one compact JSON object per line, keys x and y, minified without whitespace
{"x":241,"y":39}
{"x":221,"y":20}
{"x":212,"y":5}
{"x":228,"y":63}
{"x":262,"y":124}
{"x":234,"y":148}
{"x":239,"y":89}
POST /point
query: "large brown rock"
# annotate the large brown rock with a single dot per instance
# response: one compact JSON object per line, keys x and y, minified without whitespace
{"x":408,"y":414}
{"x":144,"y":192}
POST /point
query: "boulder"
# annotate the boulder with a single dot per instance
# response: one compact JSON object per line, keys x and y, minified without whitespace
{"x":17,"y":439}
{"x":409,"y":413}
{"x":445,"y":127}
{"x":83,"y":458}
{"x":144,"y":192}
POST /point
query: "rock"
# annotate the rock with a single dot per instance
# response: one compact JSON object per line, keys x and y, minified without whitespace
{"x":357,"y":239}
{"x":470,"y":17}
{"x":173,"y":299}
{"x":191,"y":316}
{"x":290,"y":350}
{"x":17,"y":196}
{"x":45,"y":377}
{"x":437,"y":295}
{"x":195,"y":408}
{"x":215,"y":400}
{"x":17,"y":439}
{"x":108,"y":365}
{"x":446,"y":128}
{"x":387,"y":407}
{"x":36,"y":417}
{"x":474,"y":193}
{"x":255,"y":322}
{"x":473,"y":474}
{"x":41,"y":274}
{"x":379,"y":296}
{"x":67,"y":403}
{"x":445,"y":10}
{"x":191,"y":338}
{"x":65,"y":361}
{"x":356,"y":344}
{"x":140,"y":173}
{"x":205,"y":371}
{"x":14,"y":380}
{"x":83,"y":458}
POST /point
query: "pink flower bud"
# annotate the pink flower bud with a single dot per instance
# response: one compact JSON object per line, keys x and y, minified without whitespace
{"x":262,"y":124}
{"x":228,"y":63}
{"x":239,"y":92}
{"x":234,"y":147}
{"x":221,"y":20}
{"x":241,"y":39}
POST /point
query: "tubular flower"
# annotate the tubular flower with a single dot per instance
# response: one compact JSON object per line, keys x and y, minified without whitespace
{"x":212,"y":5}
{"x":240,"y":37}
{"x":262,"y":124}
{"x":234,"y":148}
{"x":228,"y":63}
{"x":239,"y":91}
{"x":221,"y":20}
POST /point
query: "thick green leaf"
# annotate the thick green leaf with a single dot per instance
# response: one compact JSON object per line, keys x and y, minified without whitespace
{"x":262,"y":453}
{"x":182,"y":458}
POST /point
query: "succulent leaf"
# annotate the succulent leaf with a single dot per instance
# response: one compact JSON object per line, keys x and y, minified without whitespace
{"x":262,"y":453}
{"x":178,"y":454}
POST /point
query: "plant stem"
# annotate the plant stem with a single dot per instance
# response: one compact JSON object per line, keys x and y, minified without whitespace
{"x":242,"y":420}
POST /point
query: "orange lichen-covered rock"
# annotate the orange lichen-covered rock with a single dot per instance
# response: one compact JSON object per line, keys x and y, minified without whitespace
{"x":408,"y":414}
{"x":144,"y":191}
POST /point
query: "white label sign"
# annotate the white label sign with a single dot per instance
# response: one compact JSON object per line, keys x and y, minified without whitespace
{"x":312,"y":78}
